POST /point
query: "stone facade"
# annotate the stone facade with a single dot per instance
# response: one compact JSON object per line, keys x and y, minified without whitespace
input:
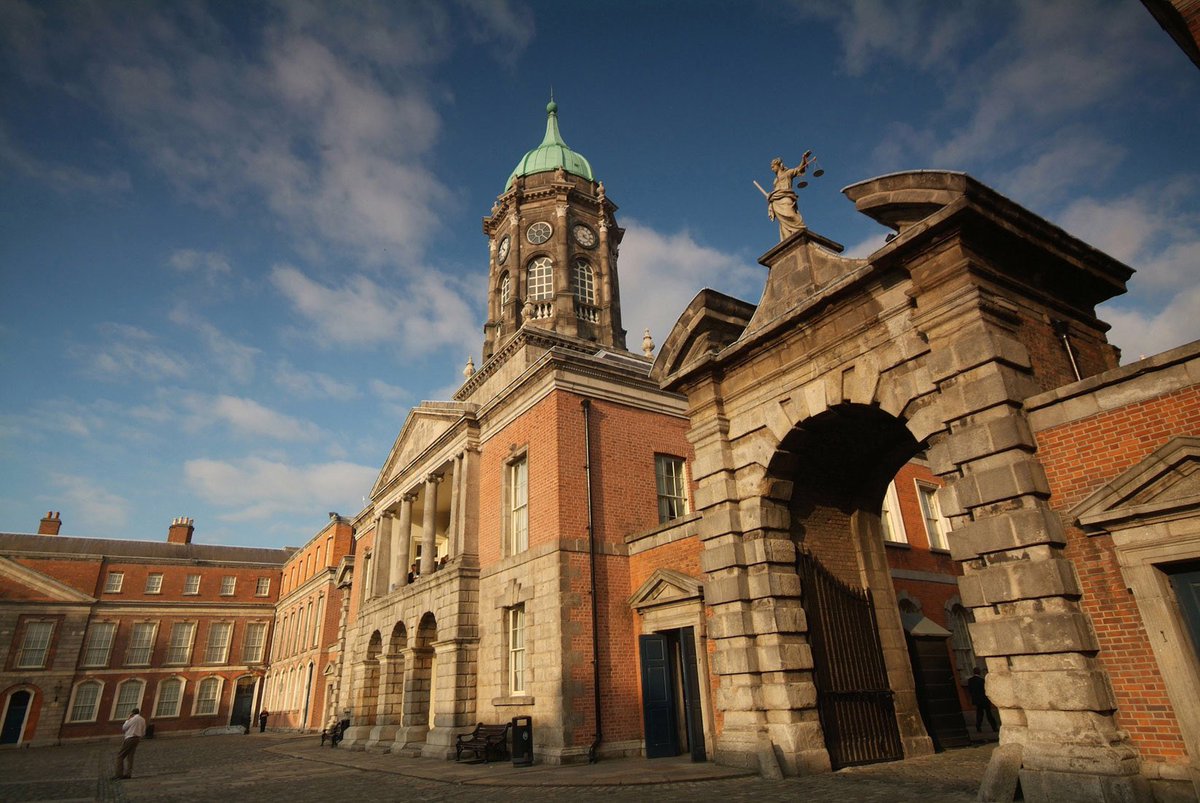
{"x":804,"y":406}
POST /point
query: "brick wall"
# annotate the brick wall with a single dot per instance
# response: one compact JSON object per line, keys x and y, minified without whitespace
{"x":1079,"y":457}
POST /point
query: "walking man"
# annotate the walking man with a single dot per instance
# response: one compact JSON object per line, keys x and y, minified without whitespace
{"x":262,"y":720}
{"x":135,"y":729}
{"x":983,"y":706}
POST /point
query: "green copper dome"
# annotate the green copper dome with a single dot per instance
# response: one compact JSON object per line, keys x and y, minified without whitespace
{"x":552,"y":154}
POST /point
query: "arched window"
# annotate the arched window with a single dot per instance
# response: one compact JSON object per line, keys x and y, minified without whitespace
{"x":208,"y":696}
{"x":540,"y":280}
{"x":583,"y":284}
{"x":86,"y":701}
{"x":960,"y":641}
{"x":505,"y":289}
{"x":129,"y":697}
{"x":170,"y":695}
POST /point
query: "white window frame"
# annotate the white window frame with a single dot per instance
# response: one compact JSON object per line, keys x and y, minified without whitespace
{"x":117,"y":708}
{"x":248,"y":642}
{"x":95,"y":709}
{"x":670,"y":487}
{"x":173,"y":646}
{"x":210,"y":644}
{"x":191,"y":585}
{"x":505,"y":289}
{"x":228,"y":585}
{"x":158,"y":697}
{"x":931,"y":512}
{"x":890,"y":520}
{"x":216,"y":698}
{"x":154,"y":581}
{"x":262,"y":587}
{"x":134,"y":643}
{"x":517,"y":480}
{"x":583,"y":282}
{"x":30,"y":649}
{"x":539,"y":279}
{"x":114,"y":582}
{"x":93,"y":644}
{"x":516,"y":625}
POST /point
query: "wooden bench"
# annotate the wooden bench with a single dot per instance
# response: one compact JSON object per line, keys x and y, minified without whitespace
{"x":483,"y":741}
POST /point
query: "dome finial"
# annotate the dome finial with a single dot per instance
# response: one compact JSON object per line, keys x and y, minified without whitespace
{"x":552,"y":107}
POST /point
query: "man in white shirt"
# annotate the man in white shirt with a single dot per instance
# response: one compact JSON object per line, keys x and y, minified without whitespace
{"x":135,"y":729}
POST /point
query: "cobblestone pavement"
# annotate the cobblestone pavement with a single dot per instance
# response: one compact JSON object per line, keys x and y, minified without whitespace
{"x":283,"y":767}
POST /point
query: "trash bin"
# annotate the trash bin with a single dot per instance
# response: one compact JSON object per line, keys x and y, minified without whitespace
{"x":522,"y":741}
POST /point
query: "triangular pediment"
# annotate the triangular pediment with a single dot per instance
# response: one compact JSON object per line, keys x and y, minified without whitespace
{"x":19,"y":582}
{"x":426,"y":424}
{"x":710,"y":323}
{"x":664,"y":587}
{"x":1166,"y":483}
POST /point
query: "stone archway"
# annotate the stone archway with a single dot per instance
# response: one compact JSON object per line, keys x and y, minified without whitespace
{"x":972,"y":307}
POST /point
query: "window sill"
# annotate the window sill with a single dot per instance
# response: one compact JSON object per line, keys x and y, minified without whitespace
{"x":897,"y":544}
{"x":516,"y":699}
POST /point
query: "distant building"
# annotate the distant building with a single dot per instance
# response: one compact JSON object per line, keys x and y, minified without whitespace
{"x":306,"y":652}
{"x":90,"y":628}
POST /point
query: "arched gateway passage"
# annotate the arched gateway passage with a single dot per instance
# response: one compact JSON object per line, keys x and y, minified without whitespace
{"x":798,"y":409}
{"x":838,"y":465}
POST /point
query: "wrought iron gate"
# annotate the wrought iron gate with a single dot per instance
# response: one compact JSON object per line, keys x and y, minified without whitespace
{"x":854,"y":700}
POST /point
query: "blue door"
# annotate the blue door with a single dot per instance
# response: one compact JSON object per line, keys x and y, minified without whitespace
{"x":658,"y":697}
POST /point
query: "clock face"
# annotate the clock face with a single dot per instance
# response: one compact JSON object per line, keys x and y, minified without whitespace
{"x":502,"y":251}
{"x":538,"y":233}
{"x":584,"y":236}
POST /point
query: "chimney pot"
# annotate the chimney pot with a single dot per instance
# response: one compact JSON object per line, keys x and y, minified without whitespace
{"x":51,"y":524}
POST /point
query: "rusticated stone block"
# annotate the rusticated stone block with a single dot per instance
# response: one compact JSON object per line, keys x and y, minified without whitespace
{"x":772,"y":583}
{"x":990,"y":437}
{"x":721,"y":556}
{"x":725,"y":588}
{"x":1033,"y":633}
{"x":1004,"y":531}
{"x":975,"y":349}
{"x":800,"y":694}
{"x":1062,"y":690}
{"x":1004,"y":386}
{"x":1007,"y":582}
{"x":1021,"y":477}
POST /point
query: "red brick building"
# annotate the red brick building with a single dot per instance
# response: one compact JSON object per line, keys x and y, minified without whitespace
{"x":90,"y":628}
{"x":305,"y":654}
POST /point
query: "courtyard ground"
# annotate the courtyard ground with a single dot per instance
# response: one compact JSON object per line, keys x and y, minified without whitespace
{"x":271,"y":767}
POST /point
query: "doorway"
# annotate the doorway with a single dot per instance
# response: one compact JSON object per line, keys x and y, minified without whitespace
{"x":15,"y":715}
{"x":243,"y":701}
{"x":671,"y":703}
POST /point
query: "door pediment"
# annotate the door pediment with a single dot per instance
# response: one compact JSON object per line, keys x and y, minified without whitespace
{"x":1165,"y":484}
{"x":666,"y":587}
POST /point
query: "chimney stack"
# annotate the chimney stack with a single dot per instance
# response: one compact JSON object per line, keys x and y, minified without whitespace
{"x":51,"y":523}
{"x":180,"y":531}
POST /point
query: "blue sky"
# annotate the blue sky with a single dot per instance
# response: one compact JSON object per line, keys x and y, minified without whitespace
{"x":239,"y":240}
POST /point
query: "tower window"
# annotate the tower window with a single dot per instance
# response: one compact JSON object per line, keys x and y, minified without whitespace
{"x":505,"y":289}
{"x":583,"y":283}
{"x":541,"y":279}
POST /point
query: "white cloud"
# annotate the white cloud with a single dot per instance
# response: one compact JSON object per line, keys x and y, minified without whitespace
{"x":1064,"y":163}
{"x":128,"y":352}
{"x":661,"y":273}
{"x":1139,"y":333}
{"x":312,"y":384}
{"x":255,"y":488}
{"x":419,"y":315}
{"x":231,"y":358}
{"x":62,"y":178}
{"x":391,"y":393}
{"x":248,"y":417}
{"x":212,"y":265}
{"x":92,"y":507}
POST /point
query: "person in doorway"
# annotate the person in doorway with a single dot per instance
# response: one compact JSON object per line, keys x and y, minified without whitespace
{"x":135,"y":729}
{"x":983,"y":706}
{"x":262,"y":720}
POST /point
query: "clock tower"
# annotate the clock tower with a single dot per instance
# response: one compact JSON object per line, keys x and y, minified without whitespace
{"x":553,"y":244}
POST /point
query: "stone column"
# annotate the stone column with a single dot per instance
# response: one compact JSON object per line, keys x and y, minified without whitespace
{"x":404,"y":539}
{"x":455,"y":492}
{"x":453,"y":699}
{"x":382,"y":555}
{"x":429,"y":525}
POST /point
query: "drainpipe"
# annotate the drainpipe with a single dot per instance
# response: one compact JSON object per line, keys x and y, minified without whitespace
{"x":587,"y":473}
